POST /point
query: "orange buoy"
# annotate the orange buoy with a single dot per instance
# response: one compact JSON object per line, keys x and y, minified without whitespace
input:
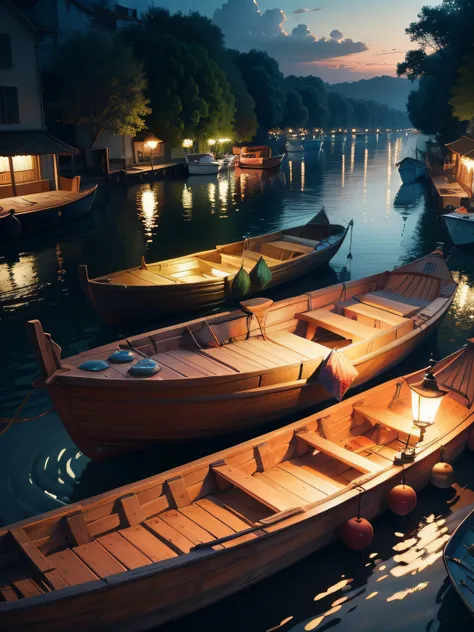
{"x":357,"y":534}
{"x":442,"y":475}
{"x":401,"y":499}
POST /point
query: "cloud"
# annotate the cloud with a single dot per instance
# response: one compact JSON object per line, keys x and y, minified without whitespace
{"x":246,"y":27}
{"x":394,"y":51}
{"x":299,"y":11}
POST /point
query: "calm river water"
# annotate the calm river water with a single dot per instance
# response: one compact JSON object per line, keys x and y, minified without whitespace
{"x":400,"y":582}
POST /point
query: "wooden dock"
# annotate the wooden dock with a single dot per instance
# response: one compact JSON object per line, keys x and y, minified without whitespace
{"x":445,"y":189}
{"x":135,"y":173}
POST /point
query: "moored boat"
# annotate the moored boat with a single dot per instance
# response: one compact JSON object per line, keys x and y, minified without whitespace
{"x":202,"y":164}
{"x":459,"y":562}
{"x":150,"y":552}
{"x":258,"y":157}
{"x":235,"y":370}
{"x":411,"y":170}
{"x":294,"y":146}
{"x":460,"y":225}
{"x":42,"y":210}
{"x":205,"y":279}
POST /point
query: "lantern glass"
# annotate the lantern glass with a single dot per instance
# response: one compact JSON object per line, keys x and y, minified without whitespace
{"x":424,"y":408}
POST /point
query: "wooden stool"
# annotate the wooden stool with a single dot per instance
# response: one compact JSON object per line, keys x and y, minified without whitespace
{"x":259,"y":307}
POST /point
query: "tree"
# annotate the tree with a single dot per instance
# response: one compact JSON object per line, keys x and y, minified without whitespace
{"x":266,"y":85}
{"x":100,"y":85}
{"x":296,"y":115}
{"x":362,"y":114}
{"x":315,"y":99}
{"x":445,"y":37}
{"x":341,"y":111}
{"x":462,"y":100}
{"x":189,"y":93}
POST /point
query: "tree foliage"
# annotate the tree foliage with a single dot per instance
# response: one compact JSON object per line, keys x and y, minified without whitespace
{"x":445,"y":39}
{"x":99,"y":84}
{"x":266,"y":85}
{"x":462,"y":100}
{"x":296,"y":114}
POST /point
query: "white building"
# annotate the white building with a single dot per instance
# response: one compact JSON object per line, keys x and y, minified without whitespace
{"x":26,"y":150}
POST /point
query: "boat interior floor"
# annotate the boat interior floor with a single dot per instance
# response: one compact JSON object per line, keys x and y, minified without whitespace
{"x":223,"y":504}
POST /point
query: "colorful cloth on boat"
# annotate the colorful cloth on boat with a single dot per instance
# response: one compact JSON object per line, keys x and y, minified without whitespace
{"x":337,"y":374}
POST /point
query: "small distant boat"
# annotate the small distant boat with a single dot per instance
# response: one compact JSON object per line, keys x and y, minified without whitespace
{"x":155,"y":550}
{"x":229,"y":161}
{"x":203,"y":280}
{"x":411,"y":170}
{"x":259,"y":157}
{"x":42,"y":210}
{"x":460,"y":225}
{"x":408,"y":194}
{"x":459,"y":561}
{"x":202,"y":164}
{"x":294,"y":146}
{"x":235,"y":370}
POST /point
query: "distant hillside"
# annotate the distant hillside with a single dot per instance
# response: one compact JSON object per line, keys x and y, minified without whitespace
{"x":386,"y":90}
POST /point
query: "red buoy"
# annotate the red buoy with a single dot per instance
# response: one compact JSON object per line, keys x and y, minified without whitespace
{"x":357,"y":534}
{"x":402,"y":500}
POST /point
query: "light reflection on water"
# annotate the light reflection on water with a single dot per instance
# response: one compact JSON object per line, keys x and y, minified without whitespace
{"x":353,"y":179}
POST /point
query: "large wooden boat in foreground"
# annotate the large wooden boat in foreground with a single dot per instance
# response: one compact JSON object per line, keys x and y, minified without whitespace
{"x":153,"y":551}
{"x":203,"y":280}
{"x":241,"y":368}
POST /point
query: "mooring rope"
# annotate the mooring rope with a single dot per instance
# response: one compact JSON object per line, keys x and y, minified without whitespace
{"x":14,"y":419}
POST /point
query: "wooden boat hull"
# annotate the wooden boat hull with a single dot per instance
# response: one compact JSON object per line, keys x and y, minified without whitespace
{"x":138,"y":600}
{"x":456,"y":548}
{"x":119,"y":303}
{"x":57,"y":214}
{"x":102,"y":421}
{"x":256,"y":163}
{"x":460,"y":227}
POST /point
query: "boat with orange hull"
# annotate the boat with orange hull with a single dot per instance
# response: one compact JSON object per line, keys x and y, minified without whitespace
{"x":258,"y":157}
{"x":239,"y":369}
{"x":153,"y":551}
{"x":204,"y":280}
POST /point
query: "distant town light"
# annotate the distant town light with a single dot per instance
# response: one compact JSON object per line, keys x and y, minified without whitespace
{"x":188,"y":143}
{"x":366,"y":130}
{"x":211,"y":142}
{"x":378,"y":131}
{"x":354,"y":130}
{"x":224,"y":140}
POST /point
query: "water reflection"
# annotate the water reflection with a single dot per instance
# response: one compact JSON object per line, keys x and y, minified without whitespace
{"x":147,"y":207}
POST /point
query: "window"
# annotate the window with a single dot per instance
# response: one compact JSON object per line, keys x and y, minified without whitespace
{"x":5,"y":51}
{"x":9,"y":105}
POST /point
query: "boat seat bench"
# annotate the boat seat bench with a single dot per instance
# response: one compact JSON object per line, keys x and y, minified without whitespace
{"x":388,"y":419}
{"x":387,"y":319}
{"x":340,"y":325}
{"x":257,"y":489}
{"x":341,"y":454}
{"x":394,"y":303}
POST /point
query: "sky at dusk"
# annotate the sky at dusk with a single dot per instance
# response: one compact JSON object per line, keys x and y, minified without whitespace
{"x":362,"y":38}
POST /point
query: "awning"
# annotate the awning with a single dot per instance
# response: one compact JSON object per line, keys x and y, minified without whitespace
{"x":32,"y":144}
{"x":463,"y":146}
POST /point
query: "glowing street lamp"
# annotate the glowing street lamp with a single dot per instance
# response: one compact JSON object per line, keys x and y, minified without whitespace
{"x":188,"y":143}
{"x":426,"y":398}
{"x":151,"y":141}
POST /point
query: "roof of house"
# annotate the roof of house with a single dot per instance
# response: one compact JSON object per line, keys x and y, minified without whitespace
{"x":463,"y":146}
{"x":32,"y":143}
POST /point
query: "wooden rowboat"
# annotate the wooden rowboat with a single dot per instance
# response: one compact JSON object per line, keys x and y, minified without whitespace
{"x":41,"y":210}
{"x":203,"y":280}
{"x":239,"y":369}
{"x":259,"y":157}
{"x":459,"y":561}
{"x":153,"y":551}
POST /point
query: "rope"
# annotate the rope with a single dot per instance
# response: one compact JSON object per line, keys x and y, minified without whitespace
{"x":14,"y":419}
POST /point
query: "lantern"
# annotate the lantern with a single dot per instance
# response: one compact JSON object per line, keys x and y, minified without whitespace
{"x":442,"y":475}
{"x":426,"y":398}
{"x":151,"y":141}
